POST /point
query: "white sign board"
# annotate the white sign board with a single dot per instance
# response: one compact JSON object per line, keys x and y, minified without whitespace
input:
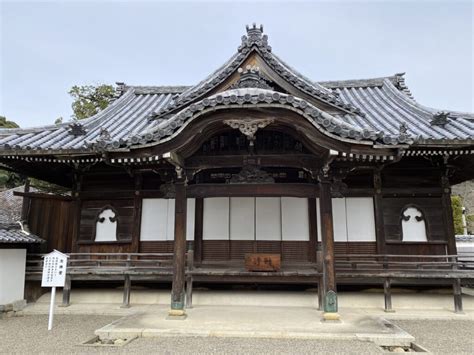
{"x":54,"y":269}
{"x":54,"y":275}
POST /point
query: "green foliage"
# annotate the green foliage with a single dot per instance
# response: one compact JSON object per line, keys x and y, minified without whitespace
{"x":90,"y":99}
{"x":9,"y":180}
{"x":470,"y":223}
{"x":4,"y":123}
{"x":58,"y":120}
{"x":456,"y":203}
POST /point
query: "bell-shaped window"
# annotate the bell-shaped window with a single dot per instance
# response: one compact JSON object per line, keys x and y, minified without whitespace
{"x":106,"y":226}
{"x":413,"y":225}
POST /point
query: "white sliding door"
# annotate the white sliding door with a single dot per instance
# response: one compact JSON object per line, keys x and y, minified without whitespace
{"x":353,"y":219}
{"x":294,"y":219}
{"x":360,"y":219}
{"x":157,"y":222}
{"x":216,"y":219}
{"x":268,"y":218}
{"x":339,"y":219}
{"x":242,"y":218}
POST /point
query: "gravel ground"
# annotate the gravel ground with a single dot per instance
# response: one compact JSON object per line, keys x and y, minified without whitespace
{"x":29,"y":334}
{"x":441,"y":336}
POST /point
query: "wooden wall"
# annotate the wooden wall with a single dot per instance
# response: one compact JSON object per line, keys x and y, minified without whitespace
{"x":52,"y":220}
{"x":90,"y":209}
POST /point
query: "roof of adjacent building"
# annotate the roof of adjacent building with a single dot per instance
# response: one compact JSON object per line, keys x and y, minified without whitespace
{"x":11,"y":231}
{"x":381,"y":110}
{"x":14,"y":234}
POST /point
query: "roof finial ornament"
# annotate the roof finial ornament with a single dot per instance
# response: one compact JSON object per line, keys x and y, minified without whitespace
{"x":254,"y":37}
{"x":440,"y":118}
{"x":77,"y":129}
{"x":104,"y":135}
{"x":250,"y":78}
{"x":403,"y":128}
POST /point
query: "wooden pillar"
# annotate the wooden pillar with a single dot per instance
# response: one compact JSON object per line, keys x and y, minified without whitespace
{"x":448,"y":216}
{"x":457,"y":290}
{"x":378,"y":212}
{"x":198,"y":220}
{"x":26,"y":203}
{"x":179,"y":258}
{"x":67,"y":292}
{"x":327,"y":239}
{"x":387,"y":292}
{"x":127,"y":285}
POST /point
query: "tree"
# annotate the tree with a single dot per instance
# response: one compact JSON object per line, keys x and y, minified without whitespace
{"x":90,"y":99}
{"x":58,"y":120}
{"x":456,"y":203}
{"x":4,"y":123}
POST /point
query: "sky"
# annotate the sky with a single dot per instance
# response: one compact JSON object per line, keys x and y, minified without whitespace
{"x":47,"y":47}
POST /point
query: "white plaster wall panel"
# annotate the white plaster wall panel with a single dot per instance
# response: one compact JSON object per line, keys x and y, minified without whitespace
{"x":339,"y":219}
{"x":106,"y":229}
{"x":413,"y":230}
{"x":268,"y":218}
{"x":216,"y":218}
{"x":294,"y":219}
{"x":360,"y":219}
{"x":170,"y":220}
{"x":242,"y":218}
{"x":12,"y":275}
{"x":190,"y":218}
{"x":154,"y":219}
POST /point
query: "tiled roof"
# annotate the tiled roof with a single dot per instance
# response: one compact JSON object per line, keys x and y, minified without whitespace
{"x":381,"y":109}
{"x":10,"y":205}
{"x":13,"y":234}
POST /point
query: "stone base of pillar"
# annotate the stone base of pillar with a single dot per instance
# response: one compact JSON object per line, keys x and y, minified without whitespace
{"x":331,"y":317}
{"x":176,"y":314}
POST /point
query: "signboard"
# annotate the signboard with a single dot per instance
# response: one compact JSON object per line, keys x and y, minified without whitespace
{"x":262,"y":262}
{"x":54,"y":275}
{"x":54,"y":269}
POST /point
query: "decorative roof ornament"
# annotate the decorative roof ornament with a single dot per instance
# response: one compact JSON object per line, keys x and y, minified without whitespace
{"x":400,"y":84}
{"x":251,"y":174}
{"x":120,"y":89}
{"x":403,"y":128}
{"x":104,"y":135}
{"x":440,"y":118}
{"x":248,"y":126}
{"x":250,"y":78}
{"x":256,"y":37}
{"x":76,"y":129}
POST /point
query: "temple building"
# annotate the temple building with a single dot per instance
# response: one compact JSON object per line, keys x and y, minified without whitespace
{"x":254,"y":160}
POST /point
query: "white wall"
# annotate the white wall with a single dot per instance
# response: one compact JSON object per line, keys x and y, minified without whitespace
{"x":12,"y":275}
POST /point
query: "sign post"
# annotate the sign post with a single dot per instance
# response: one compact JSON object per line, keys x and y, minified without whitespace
{"x":54,"y":275}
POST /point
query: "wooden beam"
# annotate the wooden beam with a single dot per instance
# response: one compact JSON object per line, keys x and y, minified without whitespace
{"x":174,"y":158}
{"x":126,"y":291}
{"x":387,"y":292}
{"x":216,"y":190}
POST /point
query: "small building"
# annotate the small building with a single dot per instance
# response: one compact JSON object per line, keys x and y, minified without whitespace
{"x":255,"y":158}
{"x":14,"y":243}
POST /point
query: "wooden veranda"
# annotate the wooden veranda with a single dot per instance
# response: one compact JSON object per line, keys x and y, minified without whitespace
{"x":380,"y":269}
